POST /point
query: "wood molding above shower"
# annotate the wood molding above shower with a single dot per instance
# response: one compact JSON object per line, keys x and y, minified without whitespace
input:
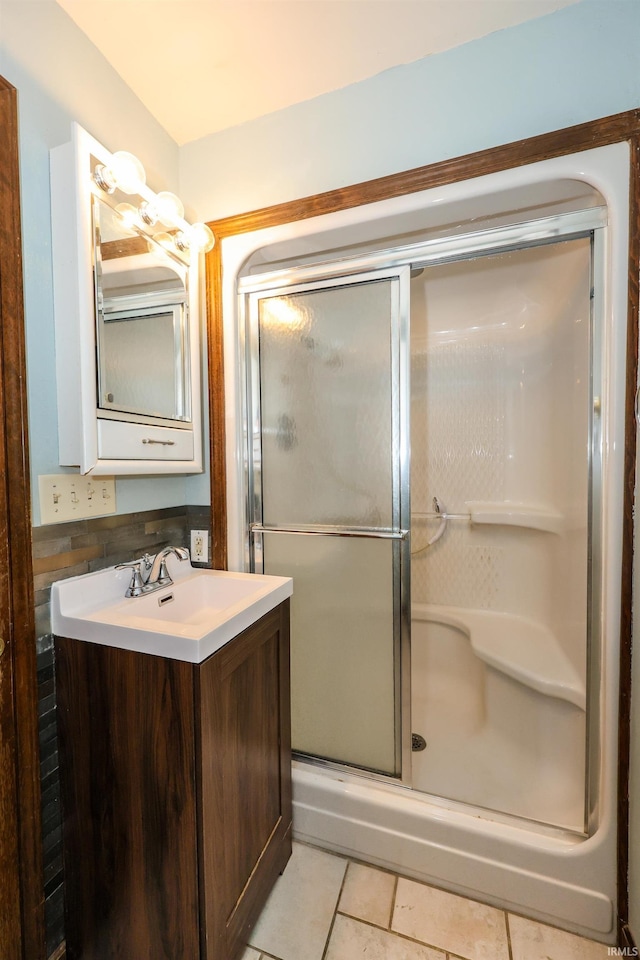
{"x":597,"y":133}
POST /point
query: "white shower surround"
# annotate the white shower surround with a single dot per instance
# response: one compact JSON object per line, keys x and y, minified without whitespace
{"x":563,"y":880}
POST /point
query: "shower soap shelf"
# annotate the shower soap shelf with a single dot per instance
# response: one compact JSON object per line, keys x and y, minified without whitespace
{"x":514,"y":513}
{"x":519,"y":648}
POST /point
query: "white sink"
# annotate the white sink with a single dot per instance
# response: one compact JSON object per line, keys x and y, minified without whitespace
{"x":200,"y":612}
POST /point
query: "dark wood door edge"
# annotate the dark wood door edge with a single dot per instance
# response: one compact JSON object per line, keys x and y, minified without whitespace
{"x":597,"y":133}
{"x":21,"y":647}
{"x":627,"y":940}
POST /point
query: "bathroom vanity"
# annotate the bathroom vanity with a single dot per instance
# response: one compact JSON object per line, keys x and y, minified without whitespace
{"x":176,"y":787}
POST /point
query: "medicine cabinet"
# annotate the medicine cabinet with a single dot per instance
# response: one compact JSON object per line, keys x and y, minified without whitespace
{"x":127,"y":318}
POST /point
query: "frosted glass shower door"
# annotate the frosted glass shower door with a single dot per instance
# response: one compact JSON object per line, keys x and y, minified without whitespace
{"x":327,"y":497}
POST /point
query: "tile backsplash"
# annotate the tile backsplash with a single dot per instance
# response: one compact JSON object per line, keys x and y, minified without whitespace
{"x":67,"y":550}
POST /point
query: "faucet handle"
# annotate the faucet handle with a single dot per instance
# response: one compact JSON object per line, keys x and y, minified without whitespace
{"x":135,"y":588}
{"x":163,"y":574}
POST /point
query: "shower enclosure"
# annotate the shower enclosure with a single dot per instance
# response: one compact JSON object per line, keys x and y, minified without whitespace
{"x":429,"y":429}
{"x":505,"y":444}
{"x":497,"y":338}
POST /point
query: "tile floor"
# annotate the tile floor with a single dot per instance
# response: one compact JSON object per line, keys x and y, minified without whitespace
{"x":326,"y":907}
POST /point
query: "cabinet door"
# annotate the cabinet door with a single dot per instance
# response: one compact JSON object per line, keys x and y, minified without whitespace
{"x":128,"y":776}
{"x":245,"y":754}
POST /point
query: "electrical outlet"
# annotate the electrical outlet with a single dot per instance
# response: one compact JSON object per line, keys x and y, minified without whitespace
{"x":199,"y":546}
{"x":68,"y":496}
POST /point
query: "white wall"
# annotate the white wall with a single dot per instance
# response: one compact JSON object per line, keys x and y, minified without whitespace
{"x":60,"y":76}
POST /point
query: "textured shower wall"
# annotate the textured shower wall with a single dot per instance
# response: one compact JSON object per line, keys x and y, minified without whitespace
{"x":499,"y":407}
{"x":458,"y":454}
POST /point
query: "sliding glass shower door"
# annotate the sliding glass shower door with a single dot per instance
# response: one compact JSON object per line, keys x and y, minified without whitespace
{"x":327,"y":482}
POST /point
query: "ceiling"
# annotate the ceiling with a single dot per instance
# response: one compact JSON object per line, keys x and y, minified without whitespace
{"x":247,"y":58}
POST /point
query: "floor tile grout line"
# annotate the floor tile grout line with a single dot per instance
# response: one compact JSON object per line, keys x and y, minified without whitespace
{"x":335,"y":909}
{"x":401,"y":936}
{"x":394,"y":896}
{"x":508,"y":926}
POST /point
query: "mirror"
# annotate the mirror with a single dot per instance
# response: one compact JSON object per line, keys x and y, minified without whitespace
{"x":142,"y":329}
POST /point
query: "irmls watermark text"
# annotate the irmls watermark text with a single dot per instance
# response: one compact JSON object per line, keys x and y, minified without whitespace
{"x":623,"y":952}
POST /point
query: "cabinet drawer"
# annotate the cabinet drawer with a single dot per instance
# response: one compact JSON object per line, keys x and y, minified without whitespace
{"x":134,"y":441}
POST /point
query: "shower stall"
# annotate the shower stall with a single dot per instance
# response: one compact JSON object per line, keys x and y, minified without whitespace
{"x":505,"y":446}
{"x":429,"y":409}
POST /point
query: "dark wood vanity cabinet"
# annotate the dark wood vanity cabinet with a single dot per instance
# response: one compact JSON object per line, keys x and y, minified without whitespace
{"x":176,"y":792}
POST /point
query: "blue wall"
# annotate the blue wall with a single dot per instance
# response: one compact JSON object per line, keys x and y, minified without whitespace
{"x":60,"y":76}
{"x":577,"y":64}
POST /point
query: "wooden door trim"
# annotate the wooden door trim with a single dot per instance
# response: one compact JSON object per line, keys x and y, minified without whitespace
{"x":20,"y":654}
{"x":622,"y":127}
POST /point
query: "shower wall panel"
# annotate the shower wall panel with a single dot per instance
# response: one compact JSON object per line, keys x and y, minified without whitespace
{"x":500,"y":416}
{"x":501,"y":438}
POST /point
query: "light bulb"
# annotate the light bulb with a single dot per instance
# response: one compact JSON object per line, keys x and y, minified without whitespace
{"x":148,"y":213}
{"x":165,"y":240}
{"x":104,"y":178}
{"x":182,"y":240}
{"x":201,"y":237}
{"x":128,"y":172}
{"x":128,"y":214}
{"x":169,"y":208}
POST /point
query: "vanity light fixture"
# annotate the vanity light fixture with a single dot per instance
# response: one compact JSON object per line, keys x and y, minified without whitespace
{"x":125,"y":173}
{"x":200,"y":237}
{"x":181,"y":240}
{"x":148,"y":213}
{"x":129,"y":215}
{"x":169,"y":208}
{"x":197,"y":237}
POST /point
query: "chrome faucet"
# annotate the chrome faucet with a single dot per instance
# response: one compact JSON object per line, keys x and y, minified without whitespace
{"x":159,"y":575}
{"x":150,"y":573}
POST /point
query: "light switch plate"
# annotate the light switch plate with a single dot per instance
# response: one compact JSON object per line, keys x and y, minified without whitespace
{"x":68,"y":496}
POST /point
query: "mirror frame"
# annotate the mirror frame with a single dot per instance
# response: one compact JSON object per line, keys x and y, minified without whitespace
{"x":137,"y":444}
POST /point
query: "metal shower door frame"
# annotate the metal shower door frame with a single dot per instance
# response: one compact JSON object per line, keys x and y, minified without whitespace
{"x":399,"y":531}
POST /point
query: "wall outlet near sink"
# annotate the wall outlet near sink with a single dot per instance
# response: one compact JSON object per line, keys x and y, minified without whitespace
{"x":199,"y":546}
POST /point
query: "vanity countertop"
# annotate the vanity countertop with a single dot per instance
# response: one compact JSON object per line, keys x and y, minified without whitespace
{"x":188,"y":620}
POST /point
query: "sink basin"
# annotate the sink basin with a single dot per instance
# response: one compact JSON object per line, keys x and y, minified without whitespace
{"x":189,"y":620}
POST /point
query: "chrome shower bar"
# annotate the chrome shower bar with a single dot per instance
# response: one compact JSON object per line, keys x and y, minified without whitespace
{"x":435,"y":515}
{"x":377,"y":533}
